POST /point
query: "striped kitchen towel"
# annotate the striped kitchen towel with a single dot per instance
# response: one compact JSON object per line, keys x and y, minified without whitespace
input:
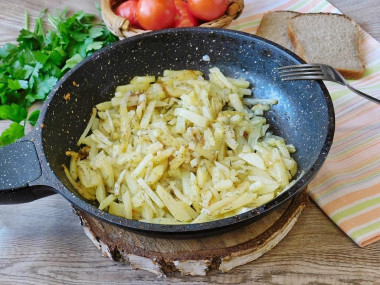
{"x":347,"y":188}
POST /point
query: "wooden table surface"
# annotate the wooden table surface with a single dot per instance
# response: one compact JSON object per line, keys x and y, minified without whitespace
{"x":43,"y":243}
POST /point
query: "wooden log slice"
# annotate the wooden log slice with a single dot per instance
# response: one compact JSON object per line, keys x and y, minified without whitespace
{"x":194,"y":256}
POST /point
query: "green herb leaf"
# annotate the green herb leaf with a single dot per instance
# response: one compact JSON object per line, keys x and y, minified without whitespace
{"x":17,"y":84}
{"x":30,"y":69}
{"x":14,"y":132}
{"x":26,"y":56}
{"x":79,"y":37}
{"x":57,"y":56}
{"x":29,"y":99}
{"x":71,"y":62}
{"x":40,"y":56}
{"x":94,"y":46}
{"x":33,"y":117}
{"x":44,"y":86}
{"x":34,"y":75}
{"x":96,"y":32}
{"x":7,"y":50}
{"x":20,"y":71}
{"x":13,"y":112}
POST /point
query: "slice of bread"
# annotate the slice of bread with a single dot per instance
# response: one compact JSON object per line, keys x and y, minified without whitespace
{"x":327,"y":38}
{"x":274,"y":27}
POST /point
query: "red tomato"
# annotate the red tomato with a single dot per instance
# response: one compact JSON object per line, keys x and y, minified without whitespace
{"x":208,"y":10}
{"x":128,"y":10}
{"x":156,"y":14}
{"x":184,"y":18}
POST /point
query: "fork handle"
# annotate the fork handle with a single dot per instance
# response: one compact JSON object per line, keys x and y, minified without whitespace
{"x":373,"y":99}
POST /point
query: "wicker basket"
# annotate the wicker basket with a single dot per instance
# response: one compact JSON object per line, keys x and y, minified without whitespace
{"x":120,"y":27}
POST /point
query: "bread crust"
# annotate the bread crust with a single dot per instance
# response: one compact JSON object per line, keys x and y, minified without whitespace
{"x":295,"y":42}
{"x":352,"y":74}
{"x":258,"y":32}
{"x":348,"y":73}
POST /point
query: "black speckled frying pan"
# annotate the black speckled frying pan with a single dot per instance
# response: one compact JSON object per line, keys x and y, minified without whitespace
{"x":32,"y":168}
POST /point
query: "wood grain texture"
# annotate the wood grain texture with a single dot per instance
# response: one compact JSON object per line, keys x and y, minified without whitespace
{"x":43,"y":243}
{"x":198,"y":255}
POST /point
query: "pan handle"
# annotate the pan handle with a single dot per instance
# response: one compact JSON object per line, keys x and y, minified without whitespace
{"x":19,"y":165}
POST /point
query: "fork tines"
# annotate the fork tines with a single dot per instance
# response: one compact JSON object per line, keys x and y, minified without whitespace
{"x":301,"y":71}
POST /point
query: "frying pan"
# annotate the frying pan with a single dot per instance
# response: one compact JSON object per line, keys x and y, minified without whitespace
{"x":32,"y":167}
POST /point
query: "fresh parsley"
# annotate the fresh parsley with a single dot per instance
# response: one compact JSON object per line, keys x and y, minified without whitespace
{"x":14,"y":132}
{"x":33,"y":117}
{"x":31,"y":68}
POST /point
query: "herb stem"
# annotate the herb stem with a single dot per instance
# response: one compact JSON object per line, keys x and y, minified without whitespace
{"x":26,"y":20}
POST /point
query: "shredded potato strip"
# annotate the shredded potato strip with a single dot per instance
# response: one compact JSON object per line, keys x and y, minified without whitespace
{"x":88,"y":127}
{"x":181,"y":149}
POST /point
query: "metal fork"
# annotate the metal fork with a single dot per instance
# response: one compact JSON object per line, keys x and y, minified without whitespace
{"x":319,"y":71}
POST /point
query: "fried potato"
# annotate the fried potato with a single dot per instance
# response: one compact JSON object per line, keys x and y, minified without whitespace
{"x":181,"y":149}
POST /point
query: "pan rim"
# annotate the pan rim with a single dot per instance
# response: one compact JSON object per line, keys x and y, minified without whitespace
{"x":299,"y":186}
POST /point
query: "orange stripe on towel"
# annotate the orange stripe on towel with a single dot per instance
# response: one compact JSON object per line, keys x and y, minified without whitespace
{"x":359,"y":220}
{"x":349,"y":198}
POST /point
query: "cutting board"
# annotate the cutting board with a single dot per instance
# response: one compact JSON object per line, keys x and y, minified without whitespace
{"x":196,"y":256}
